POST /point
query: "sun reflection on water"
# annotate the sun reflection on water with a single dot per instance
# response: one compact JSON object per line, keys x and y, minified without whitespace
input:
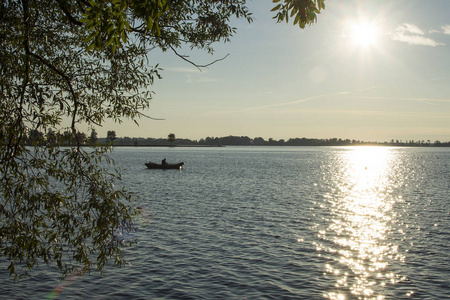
{"x":361,"y":216}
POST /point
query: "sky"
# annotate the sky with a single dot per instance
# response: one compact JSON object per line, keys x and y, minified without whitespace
{"x":367,"y":70}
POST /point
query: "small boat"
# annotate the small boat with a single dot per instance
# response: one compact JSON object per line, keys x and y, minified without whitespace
{"x":152,"y":165}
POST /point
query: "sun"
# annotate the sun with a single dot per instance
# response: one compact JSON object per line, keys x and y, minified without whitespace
{"x":364,"y":34}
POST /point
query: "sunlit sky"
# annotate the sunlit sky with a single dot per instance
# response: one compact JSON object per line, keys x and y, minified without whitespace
{"x":367,"y":70}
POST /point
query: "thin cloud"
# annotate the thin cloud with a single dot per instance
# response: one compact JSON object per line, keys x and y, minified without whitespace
{"x":446,"y":29}
{"x":192,"y":75}
{"x":372,"y":112}
{"x":262,"y":107}
{"x":410,"y":28}
{"x":190,"y":79}
{"x":413,"y":35}
{"x":306,"y":99}
{"x":183,"y":70}
{"x":429,"y":101}
{"x":416,"y":40}
{"x":287,"y":103}
{"x":435,"y":79}
{"x":206,"y":79}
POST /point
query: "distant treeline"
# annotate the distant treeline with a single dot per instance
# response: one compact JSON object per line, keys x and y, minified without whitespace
{"x":66,"y":138}
{"x":259,"y":141}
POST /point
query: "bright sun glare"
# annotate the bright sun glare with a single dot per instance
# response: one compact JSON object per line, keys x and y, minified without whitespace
{"x":363,"y":34}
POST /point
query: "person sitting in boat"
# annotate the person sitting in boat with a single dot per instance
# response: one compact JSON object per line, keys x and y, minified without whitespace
{"x":164,"y":162}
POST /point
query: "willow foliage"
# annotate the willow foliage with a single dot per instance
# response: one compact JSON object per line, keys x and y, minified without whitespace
{"x":84,"y":61}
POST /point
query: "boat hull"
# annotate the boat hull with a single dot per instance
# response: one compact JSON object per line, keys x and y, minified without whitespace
{"x":152,"y":165}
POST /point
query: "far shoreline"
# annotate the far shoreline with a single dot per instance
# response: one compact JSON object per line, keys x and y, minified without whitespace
{"x":219,"y":146}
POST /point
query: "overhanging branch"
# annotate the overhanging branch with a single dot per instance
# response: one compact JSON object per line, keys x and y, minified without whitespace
{"x":184,"y":57}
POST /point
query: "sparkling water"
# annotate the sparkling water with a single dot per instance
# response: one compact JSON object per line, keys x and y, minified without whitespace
{"x":276,"y":223}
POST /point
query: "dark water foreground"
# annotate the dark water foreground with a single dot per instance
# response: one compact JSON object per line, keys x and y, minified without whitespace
{"x":277,"y":223}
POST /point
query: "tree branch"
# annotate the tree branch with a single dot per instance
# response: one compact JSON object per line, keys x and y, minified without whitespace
{"x":68,"y":81}
{"x":184,"y":57}
{"x":68,"y":14}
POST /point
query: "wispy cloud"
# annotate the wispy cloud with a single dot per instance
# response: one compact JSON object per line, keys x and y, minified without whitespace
{"x":416,"y":40}
{"x":287,"y":103}
{"x":263,"y":107}
{"x":413,"y":35}
{"x":190,"y":79}
{"x":410,"y":28}
{"x":429,"y":101}
{"x":192,"y":75}
{"x":183,"y":70}
{"x":446,"y":29}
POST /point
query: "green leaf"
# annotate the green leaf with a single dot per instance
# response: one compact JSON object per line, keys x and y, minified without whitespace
{"x":297,"y":19}
{"x":90,"y":47}
{"x":150,"y":23}
{"x":276,"y":8}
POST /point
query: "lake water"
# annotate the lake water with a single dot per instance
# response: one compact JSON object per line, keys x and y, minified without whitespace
{"x":277,"y":223}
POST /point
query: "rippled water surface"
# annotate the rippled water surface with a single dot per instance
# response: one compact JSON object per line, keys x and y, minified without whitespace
{"x":277,"y":223}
